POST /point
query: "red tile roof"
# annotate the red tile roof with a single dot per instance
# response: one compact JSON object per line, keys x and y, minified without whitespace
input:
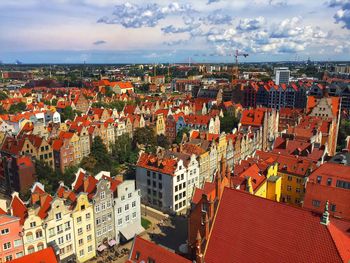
{"x":46,"y":255}
{"x":153,"y":163}
{"x":19,"y":209}
{"x":143,"y":250}
{"x":248,"y":228}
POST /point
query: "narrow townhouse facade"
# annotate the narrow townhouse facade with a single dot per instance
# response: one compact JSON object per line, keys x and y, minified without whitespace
{"x":84,"y":228}
{"x":58,"y":225}
{"x":103,"y":213}
{"x":11,"y":245}
{"x":127,"y":209}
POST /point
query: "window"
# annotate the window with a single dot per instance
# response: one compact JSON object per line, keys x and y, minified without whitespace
{"x":319,"y":179}
{"x":68,"y":237}
{"x":289,"y":188}
{"x":129,"y":195}
{"x":176,"y":188}
{"x":41,"y":246}
{"x":102,"y":195}
{"x":108,"y":203}
{"x":120,"y":221}
{"x":122,"y":197}
{"x":88,"y":216}
{"x":32,"y":224}
{"x":343,"y":184}
{"x":133,"y":215}
{"x":58,"y":216}
{"x":329,"y":181}
{"x":81,"y":253}
{"x":18,"y":243}
{"x":97,"y":208}
{"x":82,"y":207}
{"x":59,"y":229}
{"x":159,"y":176}
{"x":39,"y":234}
{"x":80,"y":231}
{"x":31,"y":249}
{"x":19,"y":254}
{"x":148,"y":173}
{"x":80,"y":242}
{"x":60,"y":240}
{"x":89,"y":238}
{"x":98,"y":221}
{"x":297,"y":190}
{"x":160,"y":186}
{"x":67,"y":226}
{"x":79,"y":219}
{"x":127,"y":218}
{"x":119,"y":210}
{"x":103,"y":206}
{"x":88,"y":227}
{"x":7,"y":245}
{"x":51,"y":232}
{"x":148,"y":182}
{"x":8,"y":258}
{"x":5,"y":231}
{"x":133,"y":204}
{"x":89,"y":249}
{"x":333,"y":207}
{"x":316,"y":203}
{"x":69,"y":248}
{"x":126,"y":207}
{"x":290,"y":178}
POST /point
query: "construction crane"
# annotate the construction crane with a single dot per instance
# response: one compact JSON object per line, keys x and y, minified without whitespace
{"x":235,"y":69}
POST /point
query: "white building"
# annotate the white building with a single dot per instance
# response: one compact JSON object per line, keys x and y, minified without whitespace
{"x":127,"y":208}
{"x":282,"y":76}
{"x":167,"y":182}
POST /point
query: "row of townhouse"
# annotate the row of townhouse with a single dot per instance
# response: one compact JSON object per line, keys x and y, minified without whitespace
{"x":95,"y":213}
{"x":270,"y":95}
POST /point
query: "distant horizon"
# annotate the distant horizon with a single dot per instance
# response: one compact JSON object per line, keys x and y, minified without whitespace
{"x":170,"y":31}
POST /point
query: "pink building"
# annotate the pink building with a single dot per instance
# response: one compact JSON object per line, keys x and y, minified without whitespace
{"x":11,"y":245}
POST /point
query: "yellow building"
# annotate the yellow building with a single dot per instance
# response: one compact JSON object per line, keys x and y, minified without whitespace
{"x":293,"y":170}
{"x":160,"y":124}
{"x":84,"y":232}
{"x":259,"y":178}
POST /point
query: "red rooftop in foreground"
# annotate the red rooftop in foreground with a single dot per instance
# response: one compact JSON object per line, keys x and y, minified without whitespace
{"x":145,"y":251}
{"x":248,"y":228}
{"x":46,"y":255}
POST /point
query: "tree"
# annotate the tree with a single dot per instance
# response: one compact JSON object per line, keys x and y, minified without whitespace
{"x":100,"y":153}
{"x":2,"y":110}
{"x":122,"y":149}
{"x":109,"y":92}
{"x":344,"y":131}
{"x":47,"y":176}
{"x":19,"y":107}
{"x":67,"y":114}
{"x":145,"y":136}
{"x":3,"y":95}
{"x":163,"y":141}
{"x":68,"y":176}
{"x":88,"y":163}
{"x":180,"y":134}
{"x":54,"y":102}
{"x":228,"y":123}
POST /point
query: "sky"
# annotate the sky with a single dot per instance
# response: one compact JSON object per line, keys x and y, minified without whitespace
{"x":161,"y":31}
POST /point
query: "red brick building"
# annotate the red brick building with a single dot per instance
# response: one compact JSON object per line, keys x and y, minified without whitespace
{"x":248,"y":228}
{"x":330,"y":182}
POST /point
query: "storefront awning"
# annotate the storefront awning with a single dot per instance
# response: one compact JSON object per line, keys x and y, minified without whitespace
{"x":101,"y":248}
{"x":112,"y":242}
{"x":130,"y":231}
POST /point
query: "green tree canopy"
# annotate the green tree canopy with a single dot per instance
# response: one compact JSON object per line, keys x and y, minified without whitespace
{"x":228,"y":123}
{"x":163,"y":141}
{"x":19,"y":107}
{"x":145,"y":136}
{"x":67,"y":114}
